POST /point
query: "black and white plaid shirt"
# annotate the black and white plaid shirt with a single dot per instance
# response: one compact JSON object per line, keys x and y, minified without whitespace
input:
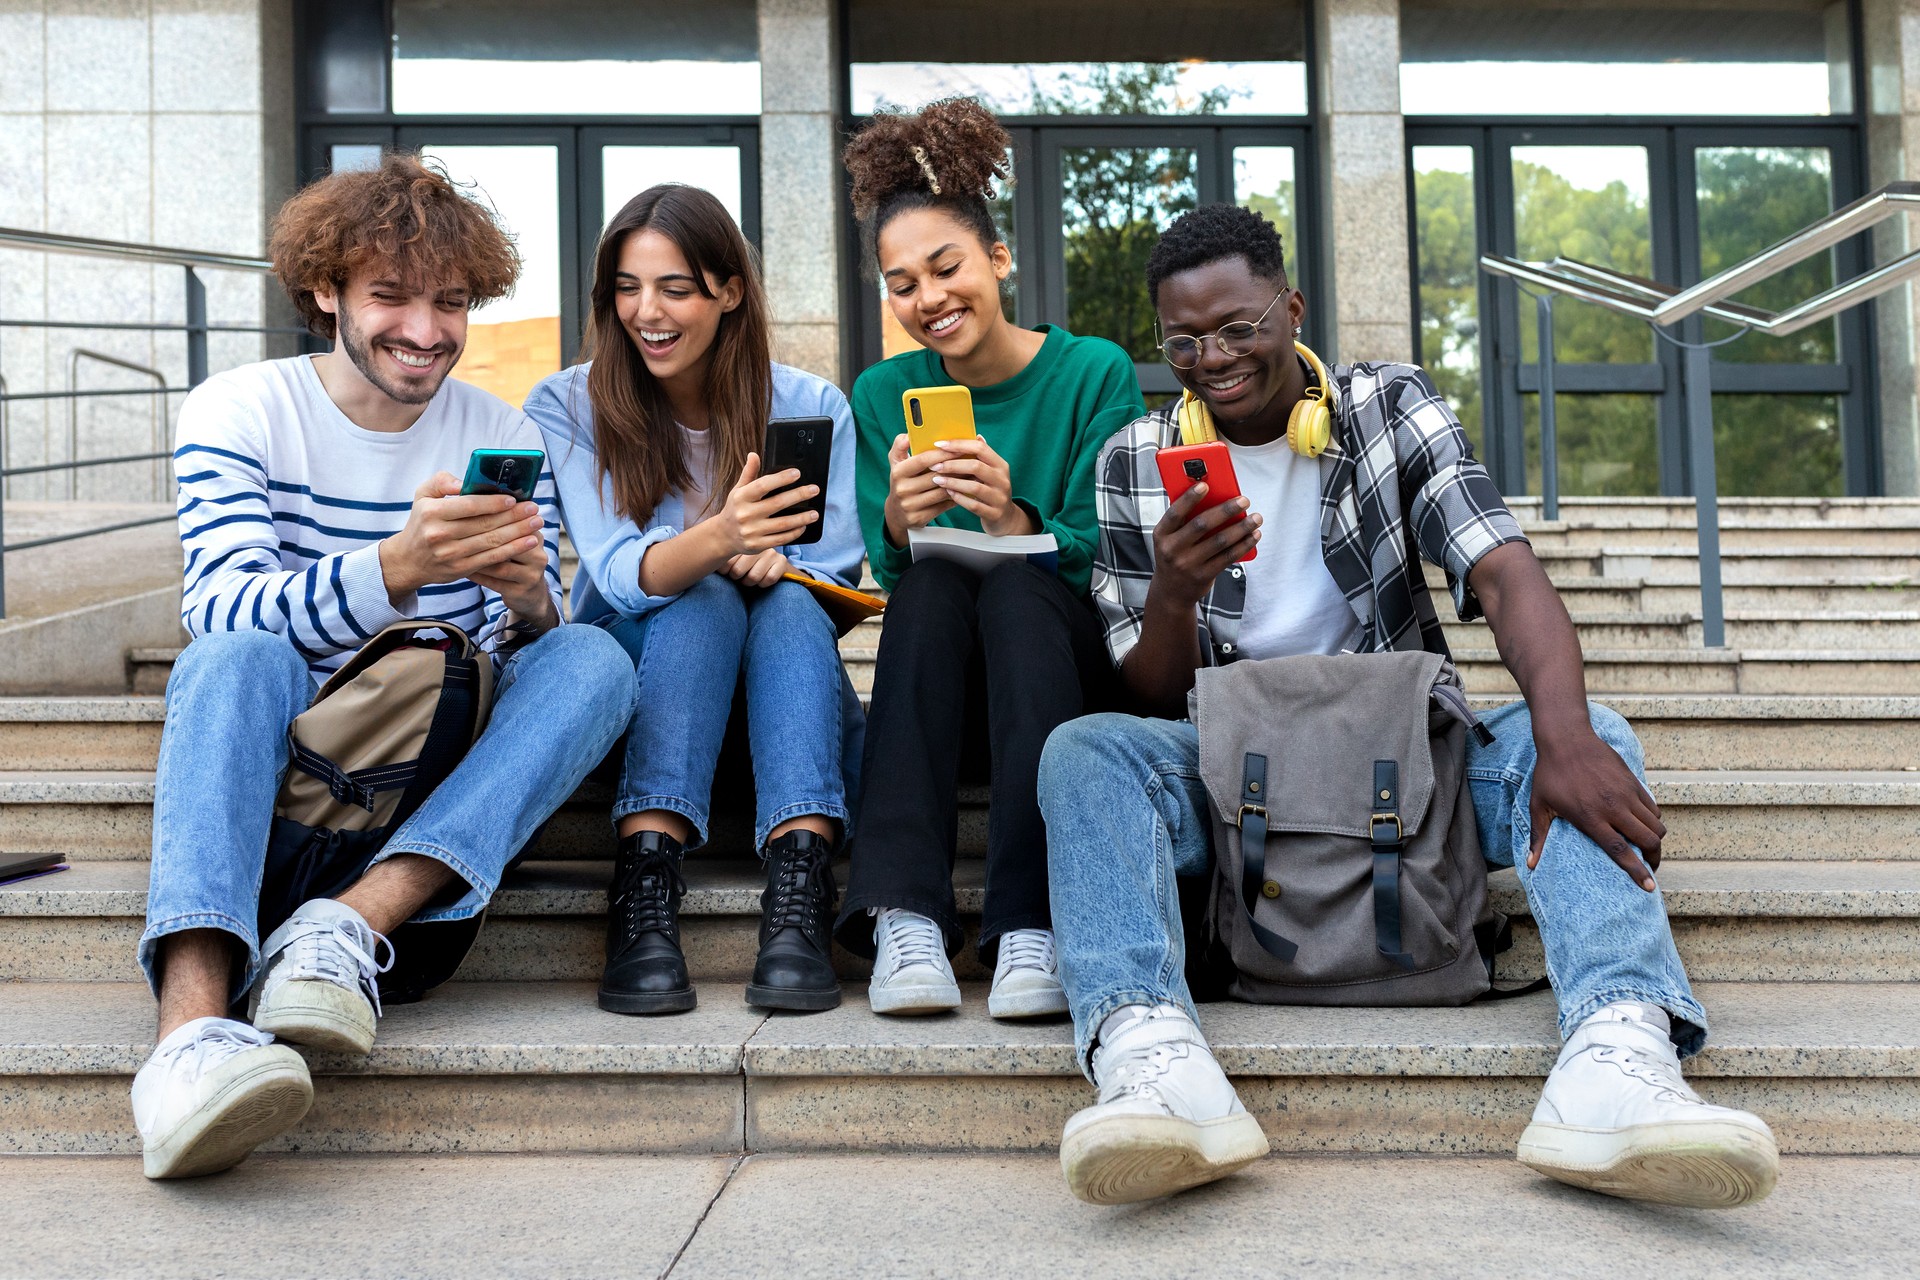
{"x":1400,"y":472}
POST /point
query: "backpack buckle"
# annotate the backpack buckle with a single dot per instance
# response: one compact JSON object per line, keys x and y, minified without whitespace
{"x":1240,"y":818}
{"x":1380,"y":820}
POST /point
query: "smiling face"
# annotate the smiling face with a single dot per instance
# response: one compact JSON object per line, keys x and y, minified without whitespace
{"x":670,"y":321}
{"x":943,"y":284}
{"x":1253,"y":392}
{"x":403,"y":338}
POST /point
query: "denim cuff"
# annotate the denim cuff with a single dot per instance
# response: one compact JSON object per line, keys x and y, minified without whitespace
{"x":626,"y":808}
{"x":1086,"y":1022}
{"x":242,"y":932}
{"x":1688,"y":1017}
{"x":805,"y":809}
{"x":480,"y":889}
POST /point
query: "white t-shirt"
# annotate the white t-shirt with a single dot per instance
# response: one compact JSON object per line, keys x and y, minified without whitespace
{"x":284,"y":501}
{"x":696,"y":447}
{"x":1293,"y":605}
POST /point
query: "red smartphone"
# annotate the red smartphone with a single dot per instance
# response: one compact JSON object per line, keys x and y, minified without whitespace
{"x":1186,"y":465}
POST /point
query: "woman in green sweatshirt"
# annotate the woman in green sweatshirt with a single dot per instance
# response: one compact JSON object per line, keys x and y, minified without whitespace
{"x":970,"y":664}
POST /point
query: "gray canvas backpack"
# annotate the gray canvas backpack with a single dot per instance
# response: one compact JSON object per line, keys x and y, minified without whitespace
{"x":1347,"y":863}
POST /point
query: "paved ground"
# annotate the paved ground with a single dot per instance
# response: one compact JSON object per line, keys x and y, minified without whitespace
{"x":842,"y":1217}
{"x":71,"y":575}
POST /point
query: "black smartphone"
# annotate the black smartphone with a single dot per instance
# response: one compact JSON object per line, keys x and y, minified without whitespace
{"x":514,"y":471}
{"x":805,"y":444}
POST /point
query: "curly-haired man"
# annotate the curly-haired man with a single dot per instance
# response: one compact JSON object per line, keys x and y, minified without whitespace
{"x":318,"y":504}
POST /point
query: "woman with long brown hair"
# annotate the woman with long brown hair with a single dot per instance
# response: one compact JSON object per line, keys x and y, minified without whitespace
{"x":655,"y":446}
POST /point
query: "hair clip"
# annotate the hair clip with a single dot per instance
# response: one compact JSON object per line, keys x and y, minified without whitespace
{"x":920,"y":154}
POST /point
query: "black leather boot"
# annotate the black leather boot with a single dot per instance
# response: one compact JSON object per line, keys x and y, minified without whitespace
{"x":646,"y":973}
{"x":795,"y":969}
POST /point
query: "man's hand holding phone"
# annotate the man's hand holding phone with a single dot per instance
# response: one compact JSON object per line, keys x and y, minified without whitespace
{"x":1191,"y":550}
{"x":486,"y":538}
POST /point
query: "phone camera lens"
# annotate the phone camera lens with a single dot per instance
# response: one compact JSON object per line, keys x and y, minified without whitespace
{"x":1196,"y":469}
{"x":913,"y":407}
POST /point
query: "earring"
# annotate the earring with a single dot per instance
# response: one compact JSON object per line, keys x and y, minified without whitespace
{"x":1296,"y":331}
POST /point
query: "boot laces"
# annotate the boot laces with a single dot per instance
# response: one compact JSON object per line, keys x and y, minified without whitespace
{"x":1027,"y":949}
{"x":342,"y":952}
{"x":214,"y":1044}
{"x":644,"y":899}
{"x":910,"y":938}
{"x":801,"y":891}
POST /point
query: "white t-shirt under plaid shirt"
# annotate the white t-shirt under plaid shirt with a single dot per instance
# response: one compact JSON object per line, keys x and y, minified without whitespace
{"x":1399,"y":479}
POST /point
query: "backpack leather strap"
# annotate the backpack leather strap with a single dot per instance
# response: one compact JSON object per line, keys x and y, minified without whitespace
{"x":1252,"y":821}
{"x":1387,"y":837}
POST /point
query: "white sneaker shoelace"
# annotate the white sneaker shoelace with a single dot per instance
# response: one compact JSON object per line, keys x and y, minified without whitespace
{"x":908,"y":939}
{"x":213,"y":1044}
{"x":1650,"y":1068}
{"x":333,"y":952}
{"x":1139,"y":1073}
{"x":1026,"y":949}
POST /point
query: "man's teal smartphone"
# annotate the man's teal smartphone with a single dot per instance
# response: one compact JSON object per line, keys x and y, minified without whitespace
{"x":513,"y":471}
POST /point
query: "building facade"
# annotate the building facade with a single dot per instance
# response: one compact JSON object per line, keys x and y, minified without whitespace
{"x":1391,"y":140}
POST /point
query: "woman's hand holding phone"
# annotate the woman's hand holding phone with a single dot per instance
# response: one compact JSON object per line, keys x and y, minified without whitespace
{"x":762,"y":570}
{"x":1190,"y":551}
{"x":978,"y":480}
{"x":755,"y":517}
{"x":913,"y":499}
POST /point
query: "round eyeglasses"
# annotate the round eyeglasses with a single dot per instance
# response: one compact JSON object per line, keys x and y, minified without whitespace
{"x":1236,"y":339}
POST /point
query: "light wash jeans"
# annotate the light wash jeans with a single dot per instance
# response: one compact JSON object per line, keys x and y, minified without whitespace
{"x":559,"y":706}
{"x":802,"y":714}
{"x":1127,"y":813}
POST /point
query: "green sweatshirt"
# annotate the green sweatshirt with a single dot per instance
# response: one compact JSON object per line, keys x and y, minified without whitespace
{"x":1048,"y":421}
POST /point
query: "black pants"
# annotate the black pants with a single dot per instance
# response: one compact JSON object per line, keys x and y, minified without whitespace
{"x":1015,"y":644}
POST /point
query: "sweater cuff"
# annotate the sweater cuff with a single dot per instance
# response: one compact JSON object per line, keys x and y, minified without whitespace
{"x":363,"y":592}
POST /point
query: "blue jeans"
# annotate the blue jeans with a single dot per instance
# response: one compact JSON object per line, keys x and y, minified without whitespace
{"x":1127,"y":813}
{"x":559,"y":706}
{"x":688,"y":657}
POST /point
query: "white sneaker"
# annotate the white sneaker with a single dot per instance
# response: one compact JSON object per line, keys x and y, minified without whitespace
{"x":213,"y":1091}
{"x":1617,"y":1117}
{"x":910,"y":969}
{"x":1167,"y":1118}
{"x":1026,"y":980}
{"x":319,"y":981}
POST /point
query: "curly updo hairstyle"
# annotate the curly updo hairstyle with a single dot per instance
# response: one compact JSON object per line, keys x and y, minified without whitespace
{"x":946,"y":156}
{"x":1210,"y":233}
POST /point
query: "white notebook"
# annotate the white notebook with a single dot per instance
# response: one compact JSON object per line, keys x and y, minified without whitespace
{"x":982,"y":551}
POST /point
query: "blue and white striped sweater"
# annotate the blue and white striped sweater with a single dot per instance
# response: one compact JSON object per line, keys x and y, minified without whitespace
{"x":283,"y":502}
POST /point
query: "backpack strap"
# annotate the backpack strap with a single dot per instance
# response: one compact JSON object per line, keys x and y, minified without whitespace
{"x":359,"y":787}
{"x":1252,"y":821}
{"x":1493,"y":936}
{"x":450,"y":734}
{"x":1387,"y":837}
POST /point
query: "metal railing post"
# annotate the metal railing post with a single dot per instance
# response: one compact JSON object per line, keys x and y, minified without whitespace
{"x":1706,"y":493}
{"x":1549,"y":425}
{"x":196,"y":328}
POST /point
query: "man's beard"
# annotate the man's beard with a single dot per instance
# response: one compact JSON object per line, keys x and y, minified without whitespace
{"x":361,"y":352}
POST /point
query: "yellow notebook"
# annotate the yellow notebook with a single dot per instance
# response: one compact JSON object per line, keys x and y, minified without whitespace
{"x":848,"y":608}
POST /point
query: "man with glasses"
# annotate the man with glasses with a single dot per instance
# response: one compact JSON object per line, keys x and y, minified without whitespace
{"x":1559,"y":793}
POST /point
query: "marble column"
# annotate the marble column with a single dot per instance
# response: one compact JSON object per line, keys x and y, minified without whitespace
{"x":1363,"y":224}
{"x":1893,"y":155}
{"x":800,"y":202}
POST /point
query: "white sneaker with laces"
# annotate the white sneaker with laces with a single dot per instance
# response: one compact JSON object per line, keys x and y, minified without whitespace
{"x":1026,"y":979}
{"x":213,"y":1091}
{"x":319,"y":982}
{"x":910,"y":969}
{"x":1167,"y":1118}
{"x":1617,"y":1117}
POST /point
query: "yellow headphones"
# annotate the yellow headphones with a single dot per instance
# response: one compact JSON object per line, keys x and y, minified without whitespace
{"x":1309,"y":426}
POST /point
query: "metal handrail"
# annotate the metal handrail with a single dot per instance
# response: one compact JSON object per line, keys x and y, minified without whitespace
{"x":1662,"y":305}
{"x":195,"y":328}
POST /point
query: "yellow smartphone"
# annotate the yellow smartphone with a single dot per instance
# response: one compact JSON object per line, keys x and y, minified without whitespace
{"x":934,"y":414}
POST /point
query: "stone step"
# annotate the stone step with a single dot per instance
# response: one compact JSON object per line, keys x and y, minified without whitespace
{"x":1820,"y":513}
{"x":1745,"y":629}
{"x":1738,"y":566}
{"x":1783,"y":595}
{"x":537,"y":1067}
{"x":1892,"y":534}
{"x":1733,"y":921}
{"x":1806,"y":672}
{"x":1807,"y":815}
{"x":1731,"y":731}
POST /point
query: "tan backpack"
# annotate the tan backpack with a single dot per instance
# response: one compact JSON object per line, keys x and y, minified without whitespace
{"x":382,"y":733}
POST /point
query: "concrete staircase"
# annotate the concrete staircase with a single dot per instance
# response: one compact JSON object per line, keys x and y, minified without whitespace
{"x":1788,"y":767}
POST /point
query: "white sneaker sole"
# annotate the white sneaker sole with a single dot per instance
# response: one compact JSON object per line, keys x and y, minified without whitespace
{"x":261,"y":1102}
{"x":923,"y":997}
{"x":1123,"y":1159}
{"x":320,"y":1015}
{"x":1026,"y":1004}
{"x":1712,"y":1164}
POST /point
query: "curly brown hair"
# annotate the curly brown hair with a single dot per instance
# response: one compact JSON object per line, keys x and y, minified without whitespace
{"x":404,"y":215}
{"x":949,"y":155}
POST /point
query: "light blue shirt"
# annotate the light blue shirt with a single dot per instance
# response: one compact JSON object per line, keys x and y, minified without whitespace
{"x":611,"y":545}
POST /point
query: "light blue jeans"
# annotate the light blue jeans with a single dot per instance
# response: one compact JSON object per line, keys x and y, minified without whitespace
{"x":1127,"y":813}
{"x":802,"y":713}
{"x":560,"y":704}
